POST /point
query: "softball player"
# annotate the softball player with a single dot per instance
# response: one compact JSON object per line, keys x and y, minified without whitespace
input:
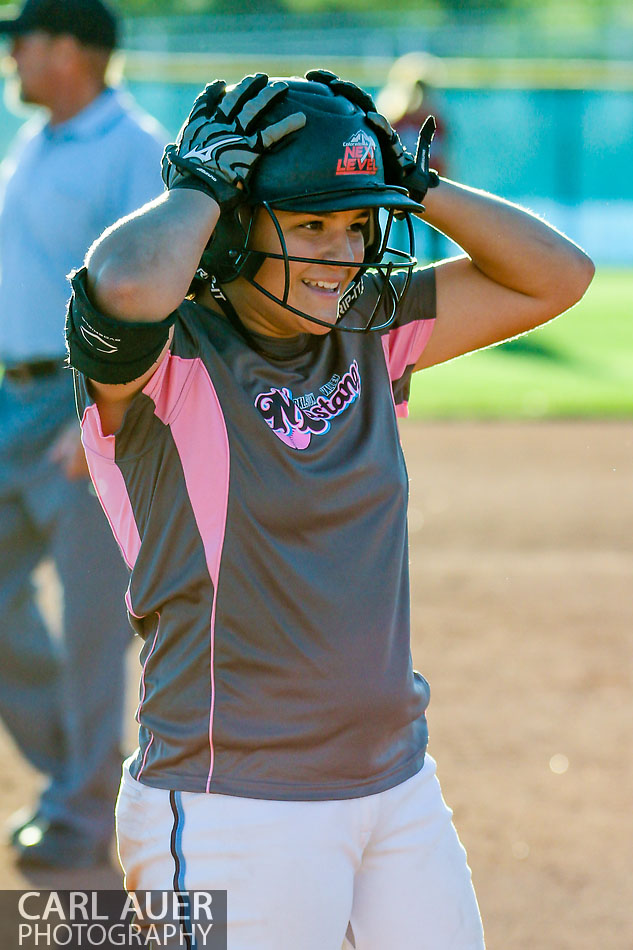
{"x":244,"y":444}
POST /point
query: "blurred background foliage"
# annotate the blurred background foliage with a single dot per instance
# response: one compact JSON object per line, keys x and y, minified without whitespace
{"x":590,"y":12}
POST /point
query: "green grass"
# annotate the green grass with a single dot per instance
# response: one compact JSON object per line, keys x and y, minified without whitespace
{"x":579,"y":365}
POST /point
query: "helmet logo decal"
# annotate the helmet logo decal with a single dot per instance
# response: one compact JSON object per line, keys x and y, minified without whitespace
{"x":350,"y":296}
{"x":214,"y":287}
{"x":295,"y":425}
{"x":359,"y":157}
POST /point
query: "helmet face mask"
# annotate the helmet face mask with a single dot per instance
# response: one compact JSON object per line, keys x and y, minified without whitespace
{"x":333,"y":164}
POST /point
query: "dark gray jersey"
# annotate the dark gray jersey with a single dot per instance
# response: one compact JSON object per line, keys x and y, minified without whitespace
{"x":261,"y":504}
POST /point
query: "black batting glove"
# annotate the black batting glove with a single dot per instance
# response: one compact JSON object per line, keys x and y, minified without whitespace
{"x":418,"y":180}
{"x":201,"y":114}
{"x":216,"y":151}
{"x":349,"y":90}
{"x":401,"y":167}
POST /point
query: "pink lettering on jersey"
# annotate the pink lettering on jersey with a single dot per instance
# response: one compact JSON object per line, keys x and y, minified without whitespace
{"x":295,"y":426}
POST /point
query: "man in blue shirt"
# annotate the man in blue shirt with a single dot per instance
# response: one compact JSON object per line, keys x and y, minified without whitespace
{"x":61,"y":699}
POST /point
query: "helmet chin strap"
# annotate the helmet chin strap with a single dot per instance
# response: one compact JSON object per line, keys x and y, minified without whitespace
{"x":388,"y":296}
{"x":234,"y":319}
{"x":229,"y":310}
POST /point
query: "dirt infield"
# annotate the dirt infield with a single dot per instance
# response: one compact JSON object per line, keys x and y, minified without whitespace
{"x":522,"y":580}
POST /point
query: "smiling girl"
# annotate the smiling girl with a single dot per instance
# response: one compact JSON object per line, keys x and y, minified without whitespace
{"x":242,"y":349}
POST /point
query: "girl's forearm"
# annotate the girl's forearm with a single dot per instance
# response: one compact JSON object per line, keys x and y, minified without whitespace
{"x":508,"y":244}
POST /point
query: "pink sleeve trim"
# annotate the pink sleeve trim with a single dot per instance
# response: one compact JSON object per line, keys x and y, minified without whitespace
{"x":110,"y":485}
{"x":404,"y":346}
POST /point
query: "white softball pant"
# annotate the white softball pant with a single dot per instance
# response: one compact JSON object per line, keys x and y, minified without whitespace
{"x":388,"y":870}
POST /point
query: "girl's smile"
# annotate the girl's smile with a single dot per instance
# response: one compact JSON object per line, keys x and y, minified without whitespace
{"x":315,"y":287}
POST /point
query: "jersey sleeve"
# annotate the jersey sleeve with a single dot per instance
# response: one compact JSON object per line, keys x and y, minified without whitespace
{"x":114,"y":460}
{"x":404,"y":341}
{"x":163,"y":393}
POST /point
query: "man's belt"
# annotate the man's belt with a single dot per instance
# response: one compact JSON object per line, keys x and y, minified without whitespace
{"x":26,"y":372}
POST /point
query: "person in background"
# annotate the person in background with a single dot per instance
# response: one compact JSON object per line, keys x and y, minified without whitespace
{"x":61,"y":698}
{"x":408,"y":97}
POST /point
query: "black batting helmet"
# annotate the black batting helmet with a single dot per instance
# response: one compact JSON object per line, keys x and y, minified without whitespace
{"x":334,"y":163}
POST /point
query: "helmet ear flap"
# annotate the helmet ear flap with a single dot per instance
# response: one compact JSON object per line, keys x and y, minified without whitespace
{"x":221,"y":257}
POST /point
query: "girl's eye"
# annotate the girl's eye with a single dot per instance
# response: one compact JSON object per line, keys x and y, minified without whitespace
{"x":318,"y":225}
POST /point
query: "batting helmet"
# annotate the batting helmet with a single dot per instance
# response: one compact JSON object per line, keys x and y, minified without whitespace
{"x":334,"y":163}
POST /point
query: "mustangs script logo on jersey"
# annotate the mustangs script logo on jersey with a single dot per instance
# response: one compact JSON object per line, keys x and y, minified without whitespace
{"x":359,"y":157}
{"x":295,"y":425}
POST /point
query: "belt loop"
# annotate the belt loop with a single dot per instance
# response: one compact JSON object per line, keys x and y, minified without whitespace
{"x":27,"y":372}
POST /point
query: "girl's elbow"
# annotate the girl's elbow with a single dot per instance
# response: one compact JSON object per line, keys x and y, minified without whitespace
{"x":115,"y":293}
{"x":573,"y":279}
{"x":584,"y":273}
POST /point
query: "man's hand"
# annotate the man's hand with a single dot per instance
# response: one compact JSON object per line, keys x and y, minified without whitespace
{"x":68,"y":452}
{"x":216,"y":149}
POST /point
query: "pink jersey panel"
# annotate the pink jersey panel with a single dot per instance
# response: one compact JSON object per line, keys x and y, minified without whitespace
{"x":110,"y":484}
{"x":206,"y":469}
{"x":403,"y":347}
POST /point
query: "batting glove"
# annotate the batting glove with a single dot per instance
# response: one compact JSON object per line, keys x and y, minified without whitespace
{"x":411,"y":173}
{"x":216,"y":151}
{"x":350,"y":90}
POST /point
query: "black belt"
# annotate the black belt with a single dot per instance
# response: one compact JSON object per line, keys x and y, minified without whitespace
{"x":26,"y":372}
